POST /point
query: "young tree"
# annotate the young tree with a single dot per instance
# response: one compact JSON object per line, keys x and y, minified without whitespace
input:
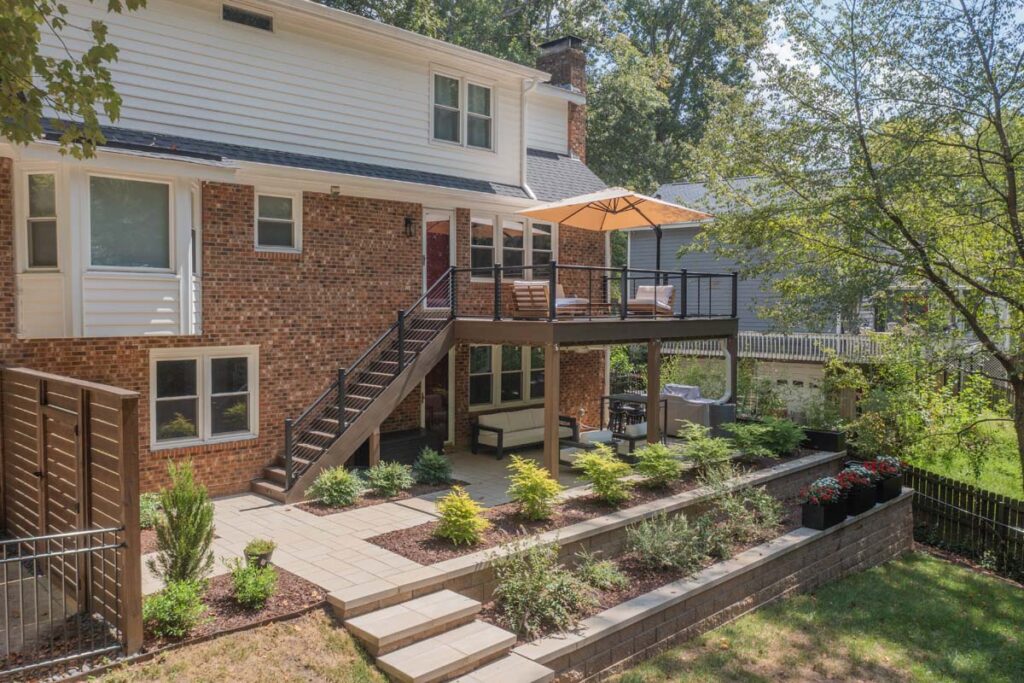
{"x":50,"y":77}
{"x":887,"y":145}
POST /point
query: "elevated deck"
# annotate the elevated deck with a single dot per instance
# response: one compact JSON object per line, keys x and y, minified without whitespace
{"x":591,"y":331}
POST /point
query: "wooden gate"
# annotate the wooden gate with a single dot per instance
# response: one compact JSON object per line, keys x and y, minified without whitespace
{"x":70,"y":463}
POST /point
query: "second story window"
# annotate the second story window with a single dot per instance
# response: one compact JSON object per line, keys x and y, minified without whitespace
{"x":482,"y":245}
{"x":513,"y":247}
{"x":460,"y":105}
{"x":129,"y":223}
{"x":42,"y":221}
{"x":277,"y":222}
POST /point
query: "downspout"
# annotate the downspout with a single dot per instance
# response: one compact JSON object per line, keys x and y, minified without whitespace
{"x":529,"y":85}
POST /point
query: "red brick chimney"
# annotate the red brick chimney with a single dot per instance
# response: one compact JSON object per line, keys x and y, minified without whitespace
{"x":565,"y":60}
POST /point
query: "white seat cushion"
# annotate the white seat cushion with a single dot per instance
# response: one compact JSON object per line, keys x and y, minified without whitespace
{"x":496,"y":420}
{"x":597,"y":436}
{"x":639,"y":429}
{"x":521,"y":437}
{"x":571,"y":301}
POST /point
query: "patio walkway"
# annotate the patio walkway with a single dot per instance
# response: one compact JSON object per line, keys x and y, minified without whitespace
{"x":331,"y":551}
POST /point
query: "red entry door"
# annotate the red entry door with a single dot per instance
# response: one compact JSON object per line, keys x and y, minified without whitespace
{"x":437,"y":251}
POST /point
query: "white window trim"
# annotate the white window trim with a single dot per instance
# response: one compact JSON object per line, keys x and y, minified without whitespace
{"x":171,"y":223}
{"x":296,"y":197}
{"x":496,"y":375}
{"x":464,"y":82}
{"x":203,"y":355}
{"x":24,"y":217}
{"x":496,"y":221}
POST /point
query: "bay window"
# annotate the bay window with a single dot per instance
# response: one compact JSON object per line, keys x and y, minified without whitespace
{"x":129,"y":223}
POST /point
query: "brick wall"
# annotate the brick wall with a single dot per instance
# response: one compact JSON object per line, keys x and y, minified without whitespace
{"x":566,"y":61}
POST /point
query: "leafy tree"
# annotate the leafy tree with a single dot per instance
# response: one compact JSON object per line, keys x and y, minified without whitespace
{"x":49,"y":77}
{"x":888,"y":145}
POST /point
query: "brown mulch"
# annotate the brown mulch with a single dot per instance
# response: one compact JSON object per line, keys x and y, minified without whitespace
{"x":644,"y":579}
{"x":369,"y":498}
{"x":965,"y":562}
{"x":292,"y":595}
{"x":419,"y":544}
{"x":147,"y":538}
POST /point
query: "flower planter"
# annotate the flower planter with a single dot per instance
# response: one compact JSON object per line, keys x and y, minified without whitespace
{"x":819,"y":517}
{"x":860,"y":499}
{"x":260,"y":560}
{"x":824,"y":440}
{"x":889,"y":488}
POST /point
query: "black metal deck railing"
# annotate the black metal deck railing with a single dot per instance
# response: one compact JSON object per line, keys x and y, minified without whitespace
{"x":62,"y":600}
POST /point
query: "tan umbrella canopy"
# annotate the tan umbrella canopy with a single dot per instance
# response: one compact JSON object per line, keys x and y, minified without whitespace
{"x":616,"y":209}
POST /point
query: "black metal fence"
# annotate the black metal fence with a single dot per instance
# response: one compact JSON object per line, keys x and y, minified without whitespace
{"x":61,"y":597}
{"x":968,"y":521}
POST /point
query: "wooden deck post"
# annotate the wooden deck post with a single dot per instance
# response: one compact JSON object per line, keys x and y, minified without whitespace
{"x":732,"y":352}
{"x":375,"y":447}
{"x":552,"y":382}
{"x":131,"y":590}
{"x":654,"y":391}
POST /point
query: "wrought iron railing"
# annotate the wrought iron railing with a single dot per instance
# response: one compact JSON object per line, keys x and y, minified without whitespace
{"x":355,"y":388}
{"x":62,"y":602}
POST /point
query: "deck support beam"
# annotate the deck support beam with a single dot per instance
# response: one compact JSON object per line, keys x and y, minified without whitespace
{"x":732,"y":353}
{"x":552,"y":384}
{"x":654,"y":391}
{"x":375,"y":447}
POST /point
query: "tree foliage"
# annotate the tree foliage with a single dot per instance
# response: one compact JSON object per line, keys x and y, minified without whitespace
{"x":45,"y":73}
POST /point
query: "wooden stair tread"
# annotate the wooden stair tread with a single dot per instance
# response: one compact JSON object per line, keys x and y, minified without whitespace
{"x":457,"y":651}
{"x":385,"y":629}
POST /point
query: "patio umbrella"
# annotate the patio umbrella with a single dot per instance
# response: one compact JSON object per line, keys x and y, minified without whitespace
{"x":616,"y":209}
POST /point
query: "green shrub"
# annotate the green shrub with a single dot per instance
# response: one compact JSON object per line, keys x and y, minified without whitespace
{"x":533,"y":488}
{"x":658,"y":464}
{"x":149,"y":510}
{"x":705,"y":451}
{"x":665,"y":542}
{"x":388,"y":479}
{"x":184,"y":533}
{"x":256,"y":548}
{"x":605,"y":472}
{"x":749,"y":515}
{"x":174,"y":611}
{"x":600,"y":574}
{"x":771,"y":438}
{"x":337,"y":487}
{"x":432,"y":468}
{"x":535,"y":593}
{"x":252,"y":585}
{"x":462,"y":519}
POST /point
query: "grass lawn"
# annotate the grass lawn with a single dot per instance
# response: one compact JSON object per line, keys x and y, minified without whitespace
{"x":916,"y":619}
{"x":311,"y":648}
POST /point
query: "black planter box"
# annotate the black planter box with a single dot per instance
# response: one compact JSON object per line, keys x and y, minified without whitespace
{"x":816,"y":516}
{"x":889,"y":488}
{"x":824,"y":440}
{"x":861,"y":499}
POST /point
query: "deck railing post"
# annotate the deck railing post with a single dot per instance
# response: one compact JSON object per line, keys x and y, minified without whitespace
{"x":553,"y":291}
{"x":401,"y":343}
{"x":288,"y":452}
{"x":682,"y":294}
{"x":341,"y":401}
{"x":497,"y":292}
{"x":624,"y":293}
{"x":735,"y":299}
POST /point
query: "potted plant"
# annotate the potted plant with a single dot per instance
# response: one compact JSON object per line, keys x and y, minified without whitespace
{"x":859,"y":485}
{"x":258,"y":552}
{"x":822,"y":504}
{"x":889,"y":471}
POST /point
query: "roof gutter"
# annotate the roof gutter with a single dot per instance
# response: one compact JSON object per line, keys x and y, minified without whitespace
{"x":529,"y":85}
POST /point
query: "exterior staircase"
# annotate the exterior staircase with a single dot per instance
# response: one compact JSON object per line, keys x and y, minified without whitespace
{"x":362,"y":396}
{"x":436,"y":637}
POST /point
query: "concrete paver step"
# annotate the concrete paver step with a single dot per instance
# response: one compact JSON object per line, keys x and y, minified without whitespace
{"x":510,"y":669}
{"x":452,"y":653}
{"x":393,"y":627}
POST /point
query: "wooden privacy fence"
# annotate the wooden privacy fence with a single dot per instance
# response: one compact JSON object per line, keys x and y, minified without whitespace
{"x":70,"y":502}
{"x":968,"y":520}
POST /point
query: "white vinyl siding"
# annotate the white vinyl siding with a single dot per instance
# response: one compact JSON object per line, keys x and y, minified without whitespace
{"x":547,"y":124}
{"x":40,"y":305}
{"x":182,"y":70}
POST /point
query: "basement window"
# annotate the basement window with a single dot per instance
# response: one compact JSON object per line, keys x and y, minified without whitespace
{"x":246,"y":17}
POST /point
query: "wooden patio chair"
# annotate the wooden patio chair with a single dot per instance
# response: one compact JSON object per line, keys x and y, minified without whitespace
{"x":651,"y":300}
{"x":530,"y":300}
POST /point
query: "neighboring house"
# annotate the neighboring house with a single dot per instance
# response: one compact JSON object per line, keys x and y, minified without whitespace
{"x":285,"y":178}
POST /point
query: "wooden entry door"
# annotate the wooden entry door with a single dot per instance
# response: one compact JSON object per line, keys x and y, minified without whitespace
{"x":437,"y":252}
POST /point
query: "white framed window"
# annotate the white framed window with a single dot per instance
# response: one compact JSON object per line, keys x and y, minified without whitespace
{"x":513,"y":248}
{"x":462,"y":111}
{"x":541,"y":248}
{"x":505,"y":375}
{"x":481,"y":241}
{"x":41,"y":222}
{"x":129,"y":223}
{"x":278,"y":221}
{"x":522,"y":248}
{"x":203,"y":395}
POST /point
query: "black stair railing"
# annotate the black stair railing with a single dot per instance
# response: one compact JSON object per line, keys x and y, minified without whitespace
{"x":355,"y":388}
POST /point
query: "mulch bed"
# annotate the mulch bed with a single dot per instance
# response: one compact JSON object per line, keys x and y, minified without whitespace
{"x":643,"y":579}
{"x":369,"y":498}
{"x":147,"y":541}
{"x":419,"y":544}
{"x":293,"y":595}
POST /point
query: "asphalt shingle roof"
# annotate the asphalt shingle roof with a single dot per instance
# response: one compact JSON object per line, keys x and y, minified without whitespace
{"x":551,"y":176}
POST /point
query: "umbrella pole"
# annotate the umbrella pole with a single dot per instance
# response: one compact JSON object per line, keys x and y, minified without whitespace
{"x":657,"y":251}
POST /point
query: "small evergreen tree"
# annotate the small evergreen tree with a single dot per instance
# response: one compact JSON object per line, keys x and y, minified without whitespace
{"x":184,"y":534}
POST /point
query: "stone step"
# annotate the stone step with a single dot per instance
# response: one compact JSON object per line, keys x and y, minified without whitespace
{"x":510,"y":669}
{"x":268,"y":489}
{"x":393,"y":627}
{"x":450,"y":654}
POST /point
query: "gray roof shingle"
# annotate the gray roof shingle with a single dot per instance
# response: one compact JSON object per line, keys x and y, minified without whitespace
{"x":554,"y":176}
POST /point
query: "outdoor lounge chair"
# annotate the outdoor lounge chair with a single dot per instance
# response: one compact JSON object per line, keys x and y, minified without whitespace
{"x":651,"y":300}
{"x":531,"y":301}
